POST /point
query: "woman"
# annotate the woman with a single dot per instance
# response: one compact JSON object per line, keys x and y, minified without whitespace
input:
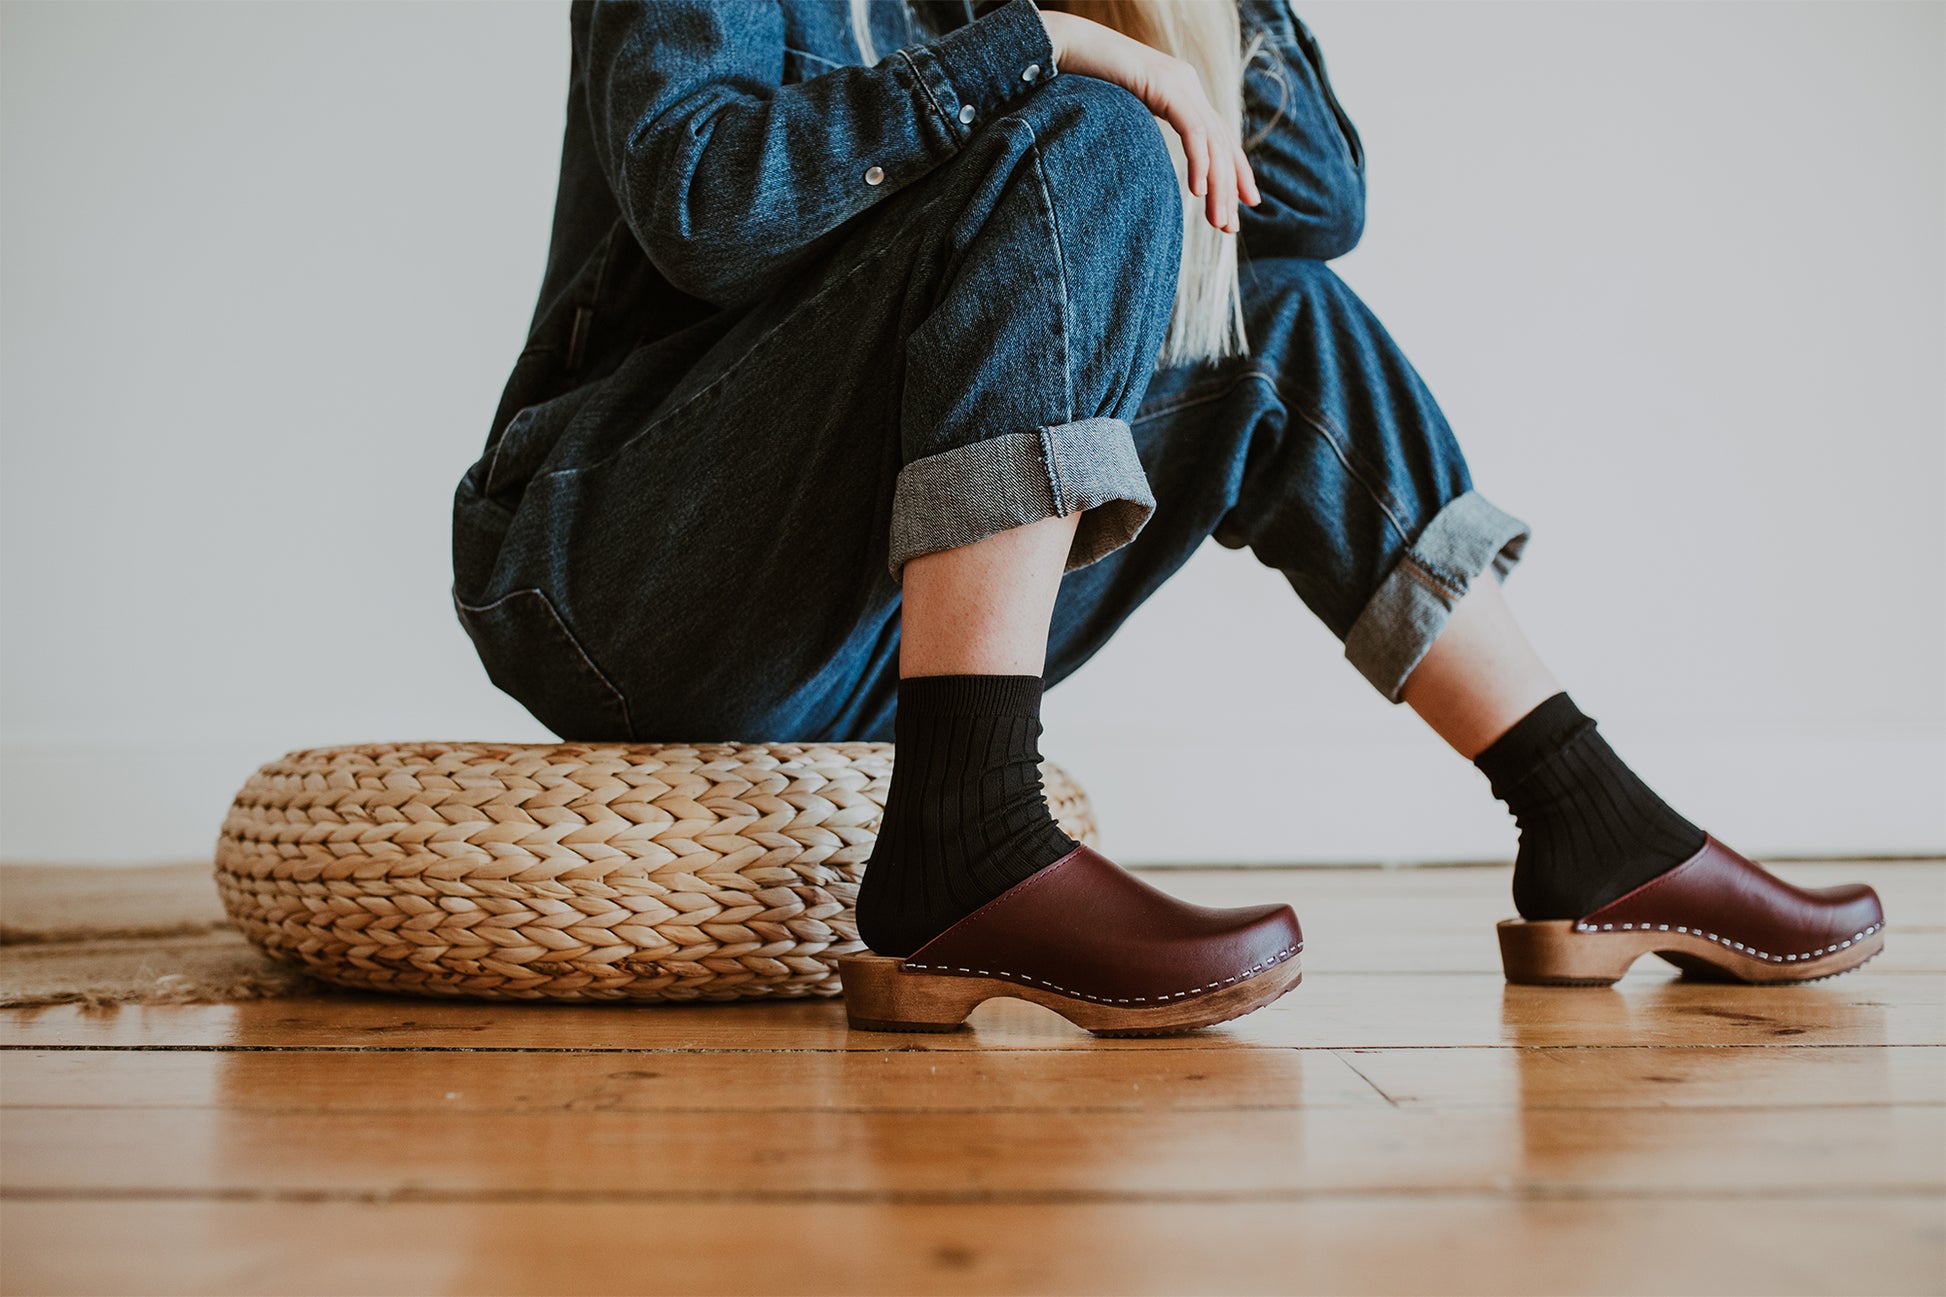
{"x":867,"y":396}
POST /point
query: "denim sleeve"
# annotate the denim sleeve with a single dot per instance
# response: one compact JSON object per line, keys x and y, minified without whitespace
{"x":729,"y":178}
{"x":1309,"y":163}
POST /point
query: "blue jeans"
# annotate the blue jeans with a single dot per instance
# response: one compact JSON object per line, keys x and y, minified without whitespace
{"x":705,"y":542}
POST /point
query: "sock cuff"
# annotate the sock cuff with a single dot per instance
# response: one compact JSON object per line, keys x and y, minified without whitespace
{"x":1535,"y":737}
{"x":980,"y":695}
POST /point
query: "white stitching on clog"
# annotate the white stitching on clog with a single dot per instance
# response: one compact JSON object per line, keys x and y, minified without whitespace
{"x":1278,"y":958}
{"x":1751,"y":951}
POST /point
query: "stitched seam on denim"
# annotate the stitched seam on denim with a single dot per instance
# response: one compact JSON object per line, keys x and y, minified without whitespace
{"x":1459,"y":581}
{"x":493,"y":465}
{"x":925,"y":87}
{"x":561,"y":627}
{"x":1349,"y":447}
{"x":968,"y":516}
{"x":1410,"y":565}
{"x":1050,"y":461}
{"x":1060,"y":263}
{"x":1331,"y":435}
{"x":1196,"y":394}
{"x":816,"y":58}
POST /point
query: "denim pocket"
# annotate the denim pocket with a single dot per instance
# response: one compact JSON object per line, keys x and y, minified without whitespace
{"x":532,"y":656}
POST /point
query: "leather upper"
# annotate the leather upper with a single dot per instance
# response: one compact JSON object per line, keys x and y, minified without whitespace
{"x":1086,"y":927}
{"x":1727,"y":898}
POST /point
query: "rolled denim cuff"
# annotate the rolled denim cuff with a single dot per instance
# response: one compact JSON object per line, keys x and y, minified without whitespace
{"x":970,"y":492}
{"x":1402,"y":619}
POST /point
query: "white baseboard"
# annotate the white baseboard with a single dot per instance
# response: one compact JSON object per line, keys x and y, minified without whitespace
{"x":1415,"y":803}
{"x":1235,"y":803}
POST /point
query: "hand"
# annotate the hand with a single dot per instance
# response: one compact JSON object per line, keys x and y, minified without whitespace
{"x":1218,"y":172}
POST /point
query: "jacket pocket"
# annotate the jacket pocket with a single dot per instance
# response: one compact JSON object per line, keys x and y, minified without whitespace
{"x":531,"y":656}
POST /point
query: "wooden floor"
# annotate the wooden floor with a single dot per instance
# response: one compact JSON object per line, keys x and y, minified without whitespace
{"x":1401,"y":1122}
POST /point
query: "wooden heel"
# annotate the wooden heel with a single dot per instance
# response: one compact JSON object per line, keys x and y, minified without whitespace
{"x":878,"y":997}
{"x":1558,"y":953}
{"x":1552,"y":953}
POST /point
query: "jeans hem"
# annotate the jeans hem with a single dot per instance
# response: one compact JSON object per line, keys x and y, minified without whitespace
{"x":966,"y":494}
{"x":1411,"y":606}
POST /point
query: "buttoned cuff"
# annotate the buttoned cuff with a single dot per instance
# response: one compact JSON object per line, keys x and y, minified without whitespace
{"x":980,"y":70}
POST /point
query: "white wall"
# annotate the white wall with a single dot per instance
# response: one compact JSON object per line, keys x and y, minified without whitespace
{"x":1676,"y":272}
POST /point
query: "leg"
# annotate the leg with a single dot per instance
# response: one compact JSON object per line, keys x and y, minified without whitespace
{"x":1324,"y":453}
{"x":983,"y":609}
{"x":986,"y":516}
{"x":966,"y":817}
{"x":1480,"y":676}
{"x":1590,"y":829}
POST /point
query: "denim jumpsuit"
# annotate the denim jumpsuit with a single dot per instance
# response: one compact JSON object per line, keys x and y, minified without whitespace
{"x":804,"y":319}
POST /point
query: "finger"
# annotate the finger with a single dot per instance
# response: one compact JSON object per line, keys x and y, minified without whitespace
{"x":1195,"y":149}
{"x":1248,"y":176}
{"x":1223,"y":183}
{"x":1199,"y":164}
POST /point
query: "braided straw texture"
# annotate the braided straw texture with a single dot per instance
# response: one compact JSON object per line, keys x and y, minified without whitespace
{"x":569,"y":871}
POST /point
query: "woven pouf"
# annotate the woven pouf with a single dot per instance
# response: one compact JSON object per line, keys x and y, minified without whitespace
{"x":567,"y":871}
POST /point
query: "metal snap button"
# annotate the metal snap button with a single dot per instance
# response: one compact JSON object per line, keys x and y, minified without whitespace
{"x":1029,"y":72}
{"x":965,"y":114}
{"x":874,"y":175}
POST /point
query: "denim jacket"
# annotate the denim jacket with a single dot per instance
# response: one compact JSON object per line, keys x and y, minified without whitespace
{"x":714,"y":147}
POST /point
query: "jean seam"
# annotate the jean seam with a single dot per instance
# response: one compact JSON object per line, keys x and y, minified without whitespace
{"x":1339,"y":443}
{"x":1411,"y":604}
{"x":1060,"y":265}
{"x":926,"y":88}
{"x":1411,"y":564}
{"x":1197,"y":394}
{"x":568,"y":635}
{"x":1051,"y":461}
{"x":817,"y":58}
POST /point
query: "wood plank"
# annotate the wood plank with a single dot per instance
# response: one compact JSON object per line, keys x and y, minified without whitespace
{"x":344,"y":1081}
{"x":1019,"y":1080}
{"x":1403,"y":1011}
{"x":1332,"y":1246}
{"x":1172,"y":1154}
{"x":1719,"y":1076}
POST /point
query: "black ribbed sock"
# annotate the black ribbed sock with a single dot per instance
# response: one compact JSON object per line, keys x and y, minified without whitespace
{"x":965,"y":818}
{"x":1590,"y":829}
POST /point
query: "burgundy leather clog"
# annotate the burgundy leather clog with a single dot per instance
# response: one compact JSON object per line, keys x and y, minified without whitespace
{"x":1717,"y":914}
{"x":1093,"y":942}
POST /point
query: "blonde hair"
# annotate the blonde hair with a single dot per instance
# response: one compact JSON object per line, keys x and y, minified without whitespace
{"x":1207,"y":320}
